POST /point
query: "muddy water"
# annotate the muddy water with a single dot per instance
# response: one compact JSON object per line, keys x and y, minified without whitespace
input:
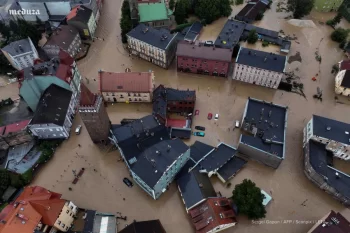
{"x":104,"y":189}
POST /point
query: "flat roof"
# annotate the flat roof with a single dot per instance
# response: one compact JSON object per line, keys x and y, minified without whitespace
{"x":270,"y":121}
{"x":230,"y":34}
{"x":153,"y":11}
{"x":229,"y":169}
{"x":261,"y":59}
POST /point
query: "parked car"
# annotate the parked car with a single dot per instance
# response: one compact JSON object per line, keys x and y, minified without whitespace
{"x":196,"y":112}
{"x":200,"y":128}
{"x":199,"y":134}
{"x":216,"y":116}
{"x":237,"y":124}
{"x":78,"y":130}
{"x":128,"y":182}
{"x":210,"y":116}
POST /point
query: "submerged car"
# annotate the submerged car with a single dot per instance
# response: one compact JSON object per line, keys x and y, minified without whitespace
{"x":128,"y":182}
{"x":199,"y":134}
{"x":200,"y":128}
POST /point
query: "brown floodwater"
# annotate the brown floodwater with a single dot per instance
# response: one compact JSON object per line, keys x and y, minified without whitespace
{"x":104,"y":190}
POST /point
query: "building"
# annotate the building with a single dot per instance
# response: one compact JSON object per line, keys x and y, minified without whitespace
{"x":200,"y":59}
{"x":327,"y":6}
{"x":94,"y":5}
{"x":15,"y":133}
{"x":331,"y":223}
{"x":250,"y":12}
{"x":151,"y":226}
{"x":21,"y":53}
{"x":54,"y":114}
{"x":213,"y":215}
{"x":37,"y":209}
{"x":94,"y":115}
{"x":259,"y":68}
{"x":195,"y":188}
{"x":156,"y":46}
{"x":152,"y":157}
{"x":66,"y":38}
{"x":344,"y":65}
{"x":265,"y":126}
{"x":126,"y":87}
{"x":342,"y":83}
{"x":193,"y":32}
{"x":326,"y":139}
{"x":83,"y":19}
{"x":61,"y":70}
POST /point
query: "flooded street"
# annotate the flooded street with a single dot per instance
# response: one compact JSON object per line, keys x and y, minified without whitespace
{"x":104,"y":189}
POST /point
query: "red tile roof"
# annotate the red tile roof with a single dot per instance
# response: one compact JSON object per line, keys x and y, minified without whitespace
{"x":49,"y":209}
{"x":65,"y":58}
{"x":15,"y":127}
{"x":73,"y":12}
{"x":126,"y":82}
{"x":2,"y":130}
{"x":86,"y":96}
{"x":345,"y":65}
{"x":212,"y":213}
{"x":332,"y":223}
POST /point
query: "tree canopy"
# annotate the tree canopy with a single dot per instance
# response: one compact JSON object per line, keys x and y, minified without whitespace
{"x":300,"y":8}
{"x":210,"y":10}
{"x":125,"y":21}
{"x":339,"y":35}
{"x":182,"y":9}
{"x":252,"y":37}
{"x":249,"y":199}
{"x":171,"y":4}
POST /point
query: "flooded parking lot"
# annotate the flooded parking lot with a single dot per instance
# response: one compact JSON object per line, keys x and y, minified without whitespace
{"x":101,"y":186}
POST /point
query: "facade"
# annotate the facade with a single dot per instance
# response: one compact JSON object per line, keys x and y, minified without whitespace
{"x":213,"y":215}
{"x":259,"y":68}
{"x":83,"y":19}
{"x":61,"y":70}
{"x":152,"y":157}
{"x":156,"y":46}
{"x":265,"y":125}
{"x":151,"y":226}
{"x":200,"y":59}
{"x":66,"y":38}
{"x":327,"y":5}
{"x":129,"y":87}
{"x":21,"y":53}
{"x":37,"y":209}
{"x":342,"y":83}
{"x":94,"y":115}
{"x":331,"y":223}
{"x":250,"y":12}
{"x":54,"y":114}
{"x":323,"y":140}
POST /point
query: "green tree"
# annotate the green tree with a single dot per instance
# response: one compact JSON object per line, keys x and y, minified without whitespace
{"x":259,"y":16}
{"x":5,"y":66}
{"x":249,"y":199}
{"x":4,"y":180}
{"x":337,"y":18}
{"x":38,"y":21}
{"x":125,"y":21}
{"x":252,"y":37}
{"x":300,"y":8}
{"x":171,"y":4}
{"x":211,"y":10}
{"x":181,"y":11}
{"x":339,"y":35}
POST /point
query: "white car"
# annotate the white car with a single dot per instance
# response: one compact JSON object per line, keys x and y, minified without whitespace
{"x":237,"y":124}
{"x":77,"y":130}
{"x":216,"y":116}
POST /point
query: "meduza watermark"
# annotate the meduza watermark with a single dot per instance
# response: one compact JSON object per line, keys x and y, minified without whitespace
{"x":24,"y":12}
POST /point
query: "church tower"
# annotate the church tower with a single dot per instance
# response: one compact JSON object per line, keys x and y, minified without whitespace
{"x":94,"y":115}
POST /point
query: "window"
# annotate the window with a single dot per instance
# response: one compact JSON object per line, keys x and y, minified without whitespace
{"x":71,"y":207}
{"x":67,"y":211}
{"x":119,"y":87}
{"x":54,"y":135}
{"x":51,"y":130}
{"x":63,"y":225}
{"x":57,"y":129}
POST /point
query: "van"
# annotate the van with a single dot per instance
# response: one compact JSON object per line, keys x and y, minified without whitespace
{"x":77,"y":130}
{"x":216,"y":116}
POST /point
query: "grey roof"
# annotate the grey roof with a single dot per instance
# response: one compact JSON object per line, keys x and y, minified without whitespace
{"x":183,"y":133}
{"x":63,"y":37}
{"x":27,"y":162}
{"x":180,"y":95}
{"x":185,"y":169}
{"x":186,"y":49}
{"x":195,"y":187}
{"x":158,"y":38}
{"x":100,"y":220}
{"x":17,"y":153}
{"x":231,"y":168}
{"x":151,"y":226}
{"x":53,"y":106}
{"x":199,"y":150}
{"x":337,"y":130}
{"x":43,"y":0}
{"x":193,"y":31}
{"x":18,"y":47}
{"x":89,"y":221}
{"x":230,"y":34}
{"x":270,"y":121}
{"x":261,"y":60}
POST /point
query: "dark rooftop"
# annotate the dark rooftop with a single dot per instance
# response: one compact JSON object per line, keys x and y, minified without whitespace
{"x":339,"y":131}
{"x":178,"y":95}
{"x":195,"y":187}
{"x":18,"y":47}
{"x":231,"y":168}
{"x":193,"y":32}
{"x":158,"y":38}
{"x":261,"y":31}
{"x":346,"y":79}
{"x":199,"y":150}
{"x":262,"y":60}
{"x":185,"y":169}
{"x":184,"y":133}
{"x":151,"y":226}
{"x":251,"y":10}
{"x":334,"y":223}
{"x":269,"y":121}
{"x":63,"y":36}
{"x":53,"y":106}
{"x":230,"y":34}
{"x":80,"y":13}
{"x":159,"y":102}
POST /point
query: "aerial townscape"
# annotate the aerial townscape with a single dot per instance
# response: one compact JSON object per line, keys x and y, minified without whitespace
{"x":174,"y":116}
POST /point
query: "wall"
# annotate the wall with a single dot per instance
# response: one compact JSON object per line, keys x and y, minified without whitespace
{"x":66,"y":217}
{"x":92,"y":25}
{"x":126,"y":96}
{"x":51,"y":50}
{"x":327,"y":5}
{"x":257,"y":76}
{"x":159,"y":24}
{"x":47,"y":131}
{"x":142,"y":184}
{"x":203,"y":66}
{"x":222,"y":227}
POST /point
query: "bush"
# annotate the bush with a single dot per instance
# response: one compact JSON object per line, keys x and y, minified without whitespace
{"x":27,"y":176}
{"x":16,"y":180}
{"x":339,"y":35}
{"x":125,"y":21}
{"x":330,"y":23}
{"x":259,"y":16}
{"x":252,"y":37}
{"x":265,"y":43}
{"x":239,"y":2}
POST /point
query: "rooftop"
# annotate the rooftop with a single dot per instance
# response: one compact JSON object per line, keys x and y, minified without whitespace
{"x":151,"y":226}
{"x":346,"y":79}
{"x":266,"y":125}
{"x":80,"y":13}
{"x":203,"y":52}
{"x":18,"y":47}
{"x":332,"y":223}
{"x":153,"y":11}
{"x":338,"y":131}
{"x":139,"y":82}
{"x":87,"y":98}
{"x":193,"y":31}
{"x":180,"y":95}
{"x":229,"y":169}
{"x":261,"y":59}
{"x":158,"y":38}
{"x":199,"y":150}
{"x":27,"y":161}
{"x":230,"y":34}
{"x":183,"y":133}
{"x":63,"y":36}
{"x":344,"y":65}
{"x":251,"y":10}
{"x":195,"y":187}
{"x":53,"y":106}
{"x":15,"y":127}
{"x":17,"y":112}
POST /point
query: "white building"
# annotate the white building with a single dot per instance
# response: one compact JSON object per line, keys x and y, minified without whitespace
{"x":259,"y":68}
{"x":126,"y":87}
{"x":334,"y":134}
{"x":21,"y":53}
{"x":342,"y":83}
{"x":54,"y":114}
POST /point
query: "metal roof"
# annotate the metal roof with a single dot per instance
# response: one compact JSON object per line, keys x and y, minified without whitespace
{"x":18,"y":47}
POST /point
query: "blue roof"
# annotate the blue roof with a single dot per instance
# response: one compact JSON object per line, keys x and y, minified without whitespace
{"x":199,"y":150}
{"x":230,"y":34}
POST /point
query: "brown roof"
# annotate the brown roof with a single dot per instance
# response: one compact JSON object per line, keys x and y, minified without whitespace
{"x":186,"y":49}
{"x":63,"y":36}
{"x":345,"y":65}
{"x":333,"y":223}
{"x":86,"y":96}
{"x":126,"y":82}
{"x":49,"y":209}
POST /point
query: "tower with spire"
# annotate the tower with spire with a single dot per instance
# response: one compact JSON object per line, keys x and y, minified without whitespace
{"x":94,"y":115}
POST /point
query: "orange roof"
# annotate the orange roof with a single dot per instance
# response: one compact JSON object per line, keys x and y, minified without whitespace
{"x":73,"y":12}
{"x":49,"y":209}
{"x":37,"y":193}
{"x":126,"y":82}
